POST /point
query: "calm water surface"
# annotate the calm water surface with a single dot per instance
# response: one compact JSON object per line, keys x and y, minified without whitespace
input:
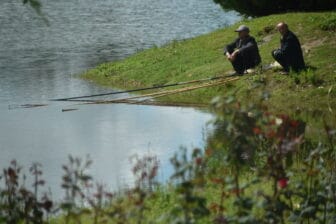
{"x":39,"y":62}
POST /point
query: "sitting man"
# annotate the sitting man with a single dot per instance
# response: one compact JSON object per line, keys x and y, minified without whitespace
{"x":289,"y":55}
{"x":243,"y":53}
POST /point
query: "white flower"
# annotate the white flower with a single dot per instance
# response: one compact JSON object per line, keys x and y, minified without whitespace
{"x":278,"y":121}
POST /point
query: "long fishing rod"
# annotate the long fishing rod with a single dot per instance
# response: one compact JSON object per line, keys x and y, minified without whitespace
{"x":141,"y":89}
{"x":158,"y":94}
{"x":131,"y":99}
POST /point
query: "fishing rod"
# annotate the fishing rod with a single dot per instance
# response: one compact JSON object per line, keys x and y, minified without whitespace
{"x":150,"y":96}
{"x":176,"y":91}
{"x":141,"y":89}
{"x":132,"y":99}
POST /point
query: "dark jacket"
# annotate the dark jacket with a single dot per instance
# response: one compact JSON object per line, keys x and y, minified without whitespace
{"x":248,"y":49}
{"x":291,"y":51}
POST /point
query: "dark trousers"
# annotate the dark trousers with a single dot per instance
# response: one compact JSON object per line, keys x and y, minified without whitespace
{"x":238,"y":64}
{"x":281,"y":60}
{"x":242,"y":63}
{"x":286,"y":63}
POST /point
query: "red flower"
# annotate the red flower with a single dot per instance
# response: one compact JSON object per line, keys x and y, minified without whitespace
{"x":236,"y":191}
{"x":267,"y":113}
{"x":294,"y":123}
{"x":282,"y":183}
{"x":270,"y":134}
{"x":257,"y":131}
{"x":217,"y":180}
{"x":272,"y":122}
{"x":284,"y":116}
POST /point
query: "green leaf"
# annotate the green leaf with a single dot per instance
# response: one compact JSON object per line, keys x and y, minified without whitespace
{"x":308,"y":212}
{"x":293,"y":217}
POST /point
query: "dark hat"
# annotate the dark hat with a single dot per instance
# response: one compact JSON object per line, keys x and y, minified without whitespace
{"x":242,"y":28}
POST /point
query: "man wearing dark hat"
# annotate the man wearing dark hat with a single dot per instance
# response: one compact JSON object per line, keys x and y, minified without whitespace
{"x":243,"y":53}
{"x":289,"y":55}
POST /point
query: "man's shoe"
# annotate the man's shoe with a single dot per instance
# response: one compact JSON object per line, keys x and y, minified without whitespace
{"x":273,"y":65}
{"x":250,"y":71}
{"x":230,"y":73}
{"x":284,"y":73}
{"x":234,"y":73}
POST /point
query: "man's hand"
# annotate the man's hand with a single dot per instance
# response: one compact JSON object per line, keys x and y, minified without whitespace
{"x":232,"y":57}
{"x":228,"y":56}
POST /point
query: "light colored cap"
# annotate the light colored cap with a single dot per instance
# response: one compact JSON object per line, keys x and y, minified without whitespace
{"x":242,"y":28}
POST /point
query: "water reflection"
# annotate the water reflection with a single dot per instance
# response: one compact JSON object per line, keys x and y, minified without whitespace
{"x":109,"y":133}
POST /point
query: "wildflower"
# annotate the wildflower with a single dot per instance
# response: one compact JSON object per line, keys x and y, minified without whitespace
{"x":257,"y":131}
{"x":109,"y":195}
{"x":153,"y":172}
{"x":273,"y":122}
{"x":217,"y":180}
{"x":236,"y":191}
{"x":270,"y":134}
{"x":278,"y":121}
{"x":198,"y":161}
{"x":294,"y":124}
{"x":282,"y":183}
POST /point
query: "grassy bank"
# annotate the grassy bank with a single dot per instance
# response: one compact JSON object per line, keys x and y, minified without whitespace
{"x":202,"y":57}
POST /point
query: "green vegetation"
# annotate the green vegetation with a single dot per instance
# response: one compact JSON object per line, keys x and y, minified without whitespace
{"x":202,"y":57}
{"x":265,"y":7}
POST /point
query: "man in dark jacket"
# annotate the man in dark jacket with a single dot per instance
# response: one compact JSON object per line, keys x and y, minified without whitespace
{"x":243,"y":53}
{"x":289,"y":55}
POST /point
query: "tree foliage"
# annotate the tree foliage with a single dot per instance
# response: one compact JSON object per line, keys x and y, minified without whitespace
{"x":35,"y":4}
{"x":266,"y":7}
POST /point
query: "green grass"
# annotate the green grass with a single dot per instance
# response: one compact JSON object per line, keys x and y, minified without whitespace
{"x":202,"y":57}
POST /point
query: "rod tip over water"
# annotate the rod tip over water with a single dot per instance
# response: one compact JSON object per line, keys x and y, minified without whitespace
{"x":70,"y":109}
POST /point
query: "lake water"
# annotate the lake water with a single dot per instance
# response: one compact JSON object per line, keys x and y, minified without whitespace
{"x":40,"y":62}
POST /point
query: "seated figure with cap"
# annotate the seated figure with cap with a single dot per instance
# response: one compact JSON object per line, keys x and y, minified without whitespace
{"x":243,"y":52}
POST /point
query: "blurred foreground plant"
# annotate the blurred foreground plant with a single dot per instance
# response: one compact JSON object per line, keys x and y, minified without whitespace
{"x":257,"y":167}
{"x":189,"y":181}
{"x":18,"y":203}
{"x":250,"y":159}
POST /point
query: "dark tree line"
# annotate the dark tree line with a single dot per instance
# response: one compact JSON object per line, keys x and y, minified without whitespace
{"x":266,"y":7}
{"x":33,"y":3}
{"x":37,"y":6}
